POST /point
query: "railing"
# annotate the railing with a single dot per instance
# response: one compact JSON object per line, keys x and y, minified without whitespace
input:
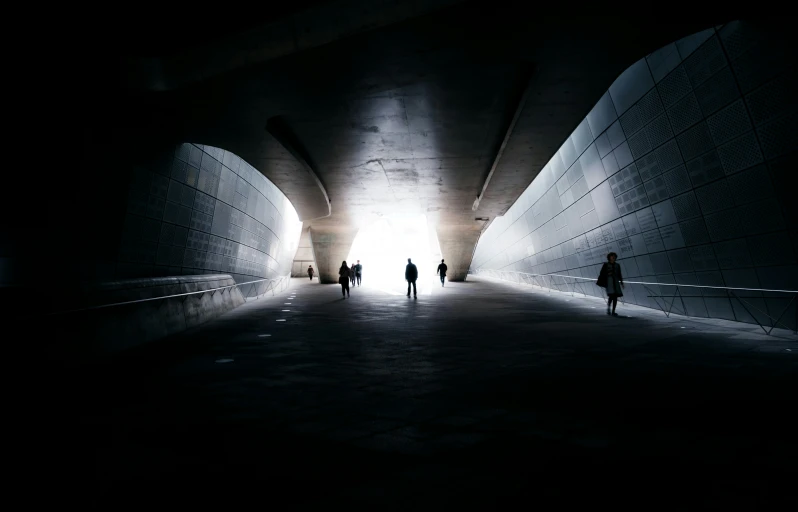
{"x":256,"y":286}
{"x":549,"y":282}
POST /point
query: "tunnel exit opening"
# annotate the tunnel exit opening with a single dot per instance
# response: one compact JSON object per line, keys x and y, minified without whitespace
{"x":384,"y":246}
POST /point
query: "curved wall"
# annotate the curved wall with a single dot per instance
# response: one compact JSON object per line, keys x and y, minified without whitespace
{"x":203,"y":210}
{"x":683,"y":169}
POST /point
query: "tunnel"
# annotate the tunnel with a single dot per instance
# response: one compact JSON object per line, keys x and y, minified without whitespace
{"x":209,"y":222}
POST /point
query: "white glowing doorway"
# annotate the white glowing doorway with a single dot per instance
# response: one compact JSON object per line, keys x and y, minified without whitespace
{"x":383,"y":249}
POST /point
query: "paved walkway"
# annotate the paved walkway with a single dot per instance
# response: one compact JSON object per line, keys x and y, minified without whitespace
{"x":473,"y":394}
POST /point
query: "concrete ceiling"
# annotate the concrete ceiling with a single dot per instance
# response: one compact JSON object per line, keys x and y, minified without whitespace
{"x":409,"y":117}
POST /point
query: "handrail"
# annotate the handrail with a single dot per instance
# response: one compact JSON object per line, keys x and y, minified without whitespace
{"x":652,"y":284}
{"x":730,"y":292}
{"x":89,"y":308}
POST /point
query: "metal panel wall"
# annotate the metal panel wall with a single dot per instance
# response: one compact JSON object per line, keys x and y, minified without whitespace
{"x":203,"y":210}
{"x":683,"y":168}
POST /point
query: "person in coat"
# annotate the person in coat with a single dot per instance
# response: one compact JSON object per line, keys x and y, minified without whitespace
{"x":310,"y":272}
{"x":611,"y":279}
{"x":352,"y":274}
{"x":343,"y":278}
{"x":411,"y":275}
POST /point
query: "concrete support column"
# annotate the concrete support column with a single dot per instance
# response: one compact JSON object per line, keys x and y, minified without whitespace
{"x":457,"y":247}
{"x":304,"y":254}
{"x":331,"y":245}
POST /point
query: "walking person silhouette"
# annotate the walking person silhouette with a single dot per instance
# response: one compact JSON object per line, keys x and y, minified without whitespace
{"x":442,"y":268}
{"x":343,"y":278}
{"x":611,"y":279}
{"x":411,"y":275}
{"x":358,"y":272}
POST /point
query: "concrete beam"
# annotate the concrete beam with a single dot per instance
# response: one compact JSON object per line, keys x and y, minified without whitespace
{"x":282,"y":133}
{"x":331,"y":245}
{"x":518,"y":100}
{"x":457,"y":244}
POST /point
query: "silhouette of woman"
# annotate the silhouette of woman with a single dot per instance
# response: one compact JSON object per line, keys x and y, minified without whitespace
{"x":343,"y":278}
{"x":610,"y":278}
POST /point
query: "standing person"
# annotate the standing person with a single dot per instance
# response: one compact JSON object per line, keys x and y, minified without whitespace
{"x":310,"y":272}
{"x":411,"y":274}
{"x":343,"y":279}
{"x":352,"y":274}
{"x":358,"y":272}
{"x":442,"y":268}
{"x":611,"y":278}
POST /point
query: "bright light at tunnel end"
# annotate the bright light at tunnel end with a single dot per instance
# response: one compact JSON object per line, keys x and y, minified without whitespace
{"x":384,"y":246}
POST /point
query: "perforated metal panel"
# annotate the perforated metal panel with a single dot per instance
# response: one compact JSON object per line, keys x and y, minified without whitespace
{"x":760,"y":217}
{"x":705,"y":168}
{"x":773,"y":99}
{"x":695,"y":141}
{"x":723,"y":225}
{"x":650,"y":106}
{"x":656,"y":189}
{"x":659,"y":131}
{"x":705,"y":61}
{"x":677,"y":181}
{"x":778,"y":137}
{"x":648,"y":167}
{"x":741,"y":153}
{"x":686,"y":206}
{"x":668,"y":155}
{"x":680,"y":260}
{"x":674,"y":86}
{"x":771,"y":249}
{"x":627,"y":179}
{"x":729,"y":123}
{"x":733,"y":254}
{"x":685,"y":113}
{"x":738,"y":38}
{"x":631,"y":122}
{"x":660,"y":263}
{"x":757,"y":66}
{"x":632,"y":200}
{"x":714,"y":197}
{"x":703,"y":257}
{"x":639,"y":144}
{"x":717,"y":92}
{"x":751,"y":185}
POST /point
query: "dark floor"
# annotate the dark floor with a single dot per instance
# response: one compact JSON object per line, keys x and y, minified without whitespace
{"x":478,"y":394}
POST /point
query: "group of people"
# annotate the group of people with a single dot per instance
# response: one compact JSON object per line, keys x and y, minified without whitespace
{"x":610,"y":278}
{"x":351,"y":275}
{"x":348,"y":274}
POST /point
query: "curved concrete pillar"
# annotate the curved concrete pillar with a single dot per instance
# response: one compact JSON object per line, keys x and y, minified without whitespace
{"x":457,"y":244}
{"x":331,"y":245}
